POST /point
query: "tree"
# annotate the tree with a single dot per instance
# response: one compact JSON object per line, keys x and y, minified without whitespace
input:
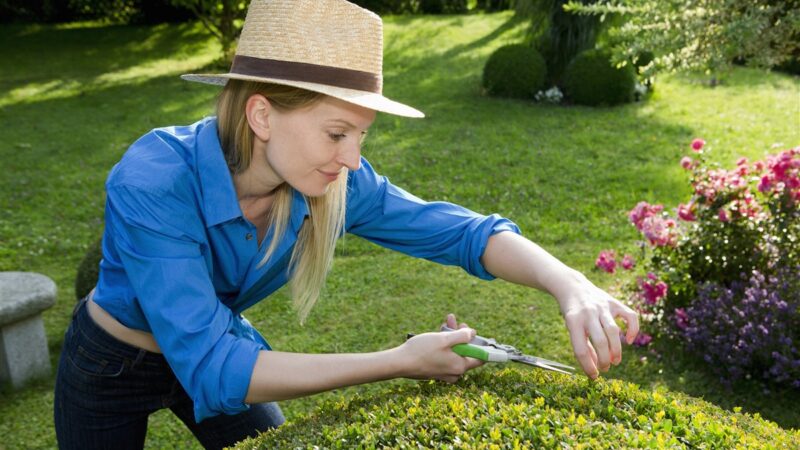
{"x":222,"y":18}
{"x":707,"y":35}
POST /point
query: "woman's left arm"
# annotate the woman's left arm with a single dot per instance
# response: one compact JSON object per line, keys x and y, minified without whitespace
{"x":588,"y":311}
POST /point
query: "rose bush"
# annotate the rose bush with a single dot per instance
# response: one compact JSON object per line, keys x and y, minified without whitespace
{"x":722,"y":275}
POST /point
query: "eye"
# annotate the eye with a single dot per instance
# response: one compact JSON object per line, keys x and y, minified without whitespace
{"x":336,"y":137}
{"x":363,"y":137}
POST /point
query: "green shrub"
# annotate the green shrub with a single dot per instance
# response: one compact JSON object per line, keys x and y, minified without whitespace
{"x":518,"y":408}
{"x":442,"y":6}
{"x":514,"y":70}
{"x":590,"y":79}
{"x":791,"y":66}
{"x":89,"y":270}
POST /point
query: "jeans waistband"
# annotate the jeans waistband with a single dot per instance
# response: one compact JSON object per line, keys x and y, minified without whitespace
{"x":85,"y":325}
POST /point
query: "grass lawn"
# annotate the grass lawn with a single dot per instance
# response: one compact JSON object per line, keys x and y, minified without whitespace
{"x":72,"y":98}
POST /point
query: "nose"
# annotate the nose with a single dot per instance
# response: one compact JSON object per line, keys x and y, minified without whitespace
{"x":350,"y":156}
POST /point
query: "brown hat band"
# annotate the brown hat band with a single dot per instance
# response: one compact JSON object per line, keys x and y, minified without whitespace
{"x":311,"y":73}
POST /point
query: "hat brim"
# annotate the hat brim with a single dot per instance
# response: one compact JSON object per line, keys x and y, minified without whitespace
{"x":368,"y":100}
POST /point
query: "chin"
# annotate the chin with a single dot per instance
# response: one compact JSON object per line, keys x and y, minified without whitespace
{"x":312,"y":191}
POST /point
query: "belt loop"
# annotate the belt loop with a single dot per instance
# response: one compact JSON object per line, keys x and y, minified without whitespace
{"x":139,"y":357}
{"x":78,"y":306}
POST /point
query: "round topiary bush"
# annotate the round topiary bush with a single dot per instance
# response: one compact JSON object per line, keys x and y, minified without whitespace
{"x":517,"y":408}
{"x":89,"y":270}
{"x":590,"y":79}
{"x":514,"y":70}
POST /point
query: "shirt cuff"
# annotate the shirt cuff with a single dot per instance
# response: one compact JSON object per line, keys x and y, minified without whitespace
{"x":237,"y":372}
{"x":500,"y":224}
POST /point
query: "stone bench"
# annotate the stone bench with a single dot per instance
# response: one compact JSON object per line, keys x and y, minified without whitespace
{"x":23,"y":343}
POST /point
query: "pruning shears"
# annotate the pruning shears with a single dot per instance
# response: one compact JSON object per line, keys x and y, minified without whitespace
{"x":489,"y":350}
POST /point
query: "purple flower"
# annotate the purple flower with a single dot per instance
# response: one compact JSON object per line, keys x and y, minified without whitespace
{"x":750,"y":327}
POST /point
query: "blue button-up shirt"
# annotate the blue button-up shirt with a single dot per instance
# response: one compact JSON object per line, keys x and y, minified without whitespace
{"x":180,"y":260}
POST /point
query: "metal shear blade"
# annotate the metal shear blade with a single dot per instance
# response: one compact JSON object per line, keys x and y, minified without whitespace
{"x":544,"y":364}
{"x":518,"y":356}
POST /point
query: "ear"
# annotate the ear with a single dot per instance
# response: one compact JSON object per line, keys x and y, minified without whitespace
{"x":258,"y":109}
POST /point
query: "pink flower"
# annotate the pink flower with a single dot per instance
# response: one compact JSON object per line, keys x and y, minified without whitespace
{"x":606,"y":261}
{"x":642,"y":211}
{"x":686,"y":212}
{"x":659,"y":231}
{"x":687,"y":162}
{"x":742,"y":171}
{"x":741,"y":161}
{"x":765,"y":185}
{"x":642,"y":339}
{"x":628,"y":262}
{"x":698,"y":144}
{"x":681,"y":318}
{"x":758,"y":166}
{"x":653,"y":290}
{"x":723,"y":215}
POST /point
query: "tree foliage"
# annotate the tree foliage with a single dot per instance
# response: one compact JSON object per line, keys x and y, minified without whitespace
{"x":222,"y":18}
{"x":707,"y":35}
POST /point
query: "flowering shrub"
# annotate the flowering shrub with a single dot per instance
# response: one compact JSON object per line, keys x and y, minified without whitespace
{"x":747,"y":327}
{"x":722,"y":273}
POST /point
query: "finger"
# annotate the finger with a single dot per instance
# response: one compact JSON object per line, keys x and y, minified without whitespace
{"x":631,"y":323}
{"x":593,"y":353}
{"x":460,"y":336}
{"x":612,"y":334}
{"x":473,"y":363}
{"x":580,"y":346}
{"x":451,"y":321}
{"x":463,"y":325}
{"x":600,"y":343}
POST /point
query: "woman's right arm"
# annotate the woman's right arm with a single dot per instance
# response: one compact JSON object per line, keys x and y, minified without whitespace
{"x":283,"y":376}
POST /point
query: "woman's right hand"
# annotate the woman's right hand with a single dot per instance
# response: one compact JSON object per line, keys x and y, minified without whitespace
{"x":431,"y":356}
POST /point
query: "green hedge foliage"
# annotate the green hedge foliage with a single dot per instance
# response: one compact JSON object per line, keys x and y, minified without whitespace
{"x":89,"y":270}
{"x":519,"y":408}
{"x":514,"y":70}
{"x":590,"y":79}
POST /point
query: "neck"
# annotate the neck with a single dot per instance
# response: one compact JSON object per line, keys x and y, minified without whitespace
{"x":258,"y":180}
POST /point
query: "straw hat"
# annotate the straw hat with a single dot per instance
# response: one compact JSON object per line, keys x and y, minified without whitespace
{"x":329,"y":46}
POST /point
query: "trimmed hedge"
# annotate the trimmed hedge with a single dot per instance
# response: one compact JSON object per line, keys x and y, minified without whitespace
{"x":89,"y":270}
{"x":519,"y":408}
{"x":514,"y":70}
{"x":590,"y":79}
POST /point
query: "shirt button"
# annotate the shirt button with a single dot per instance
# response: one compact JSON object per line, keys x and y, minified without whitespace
{"x":249,"y":236}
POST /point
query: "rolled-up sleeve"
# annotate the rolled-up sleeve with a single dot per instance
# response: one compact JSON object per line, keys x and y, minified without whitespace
{"x":438,"y":231}
{"x":159,"y":239}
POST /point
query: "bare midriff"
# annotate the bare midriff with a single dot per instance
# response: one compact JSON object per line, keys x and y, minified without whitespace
{"x":110,"y":325}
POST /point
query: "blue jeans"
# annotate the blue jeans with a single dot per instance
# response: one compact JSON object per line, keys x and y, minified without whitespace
{"x":106,"y":389}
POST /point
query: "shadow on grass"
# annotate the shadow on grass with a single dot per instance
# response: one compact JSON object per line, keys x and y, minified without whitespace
{"x":37,"y":52}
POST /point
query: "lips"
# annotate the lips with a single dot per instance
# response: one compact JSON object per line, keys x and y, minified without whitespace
{"x":331,"y":176}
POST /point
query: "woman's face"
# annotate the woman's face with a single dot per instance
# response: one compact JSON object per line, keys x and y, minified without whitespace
{"x":309,"y":147}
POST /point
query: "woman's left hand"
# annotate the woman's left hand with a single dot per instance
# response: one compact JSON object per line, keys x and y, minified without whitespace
{"x":590,"y":313}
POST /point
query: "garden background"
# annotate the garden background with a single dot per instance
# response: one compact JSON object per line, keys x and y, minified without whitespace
{"x":74,"y":95}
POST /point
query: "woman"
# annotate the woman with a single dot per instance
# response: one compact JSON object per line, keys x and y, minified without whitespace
{"x":203,"y":221}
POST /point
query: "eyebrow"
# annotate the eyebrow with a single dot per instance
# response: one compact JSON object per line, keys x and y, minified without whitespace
{"x":344,"y":122}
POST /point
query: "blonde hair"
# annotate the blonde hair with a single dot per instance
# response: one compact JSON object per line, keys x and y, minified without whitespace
{"x":313,"y":253}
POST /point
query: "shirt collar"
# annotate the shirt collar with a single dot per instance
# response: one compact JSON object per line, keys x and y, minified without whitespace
{"x":220,"y":203}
